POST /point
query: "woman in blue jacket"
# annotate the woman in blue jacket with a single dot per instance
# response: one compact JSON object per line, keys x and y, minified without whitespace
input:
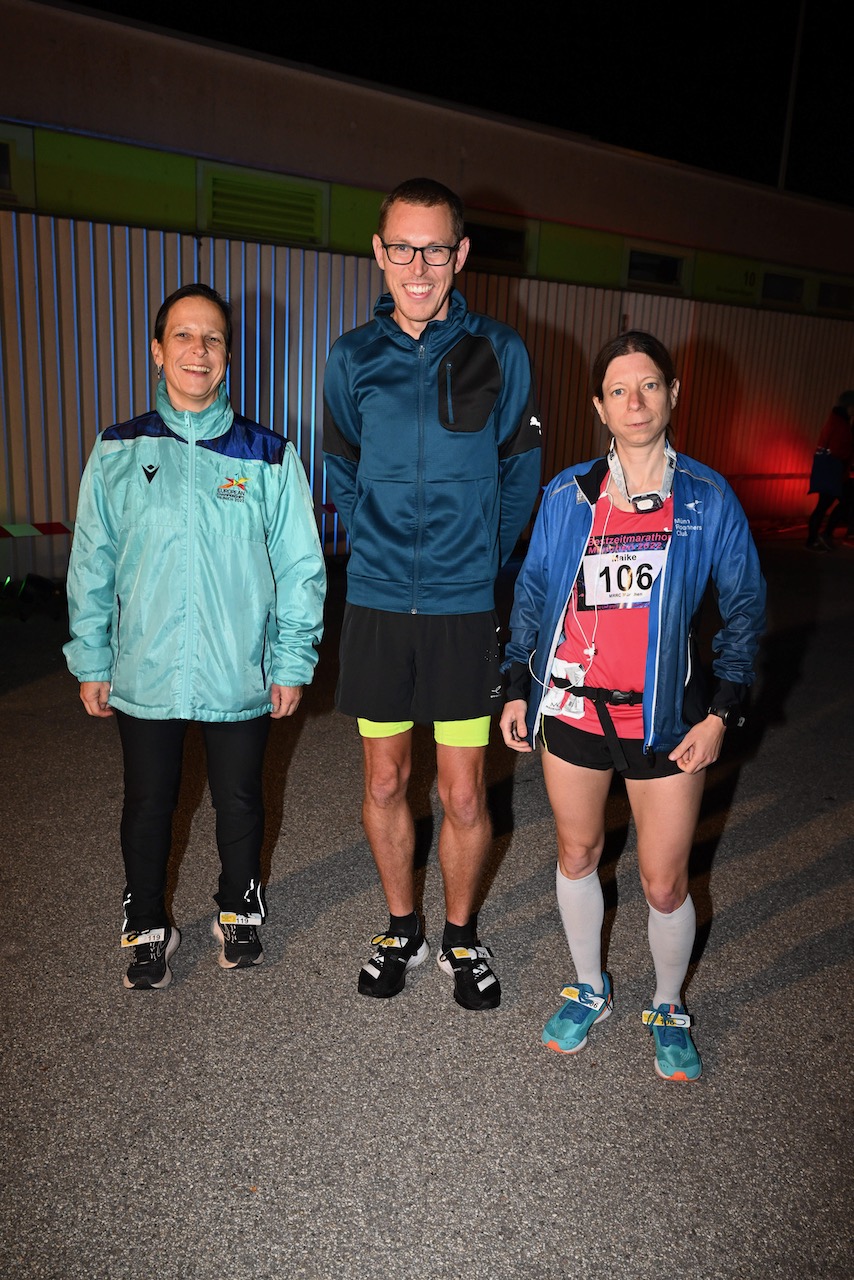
{"x":195,"y":593}
{"x":603,"y":674}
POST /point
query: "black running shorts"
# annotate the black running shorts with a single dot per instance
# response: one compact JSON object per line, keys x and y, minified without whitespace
{"x":591,"y":751}
{"x":419,"y":666}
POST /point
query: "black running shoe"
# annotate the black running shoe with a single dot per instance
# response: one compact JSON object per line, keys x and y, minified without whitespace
{"x":475,"y":985}
{"x":239,"y":944}
{"x":152,"y":950}
{"x":385,"y":973}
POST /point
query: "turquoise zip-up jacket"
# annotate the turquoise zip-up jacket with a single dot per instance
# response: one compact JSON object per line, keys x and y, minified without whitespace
{"x":711,"y":542}
{"x":196,"y":578}
{"x":432,"y":449}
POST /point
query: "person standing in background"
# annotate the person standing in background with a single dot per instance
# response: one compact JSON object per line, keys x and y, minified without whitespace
{"x":830,"y":477}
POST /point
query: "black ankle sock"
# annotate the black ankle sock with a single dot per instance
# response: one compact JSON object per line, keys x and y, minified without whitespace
{"x":403,"y":926}
{"x":459,"y":935}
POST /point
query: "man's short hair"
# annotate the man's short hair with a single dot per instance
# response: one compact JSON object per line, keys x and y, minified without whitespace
{"x":426,"y":192}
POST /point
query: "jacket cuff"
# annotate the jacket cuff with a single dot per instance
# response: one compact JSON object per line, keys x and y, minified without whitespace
{"x":518,"y":683}
{"x":726,"y":695}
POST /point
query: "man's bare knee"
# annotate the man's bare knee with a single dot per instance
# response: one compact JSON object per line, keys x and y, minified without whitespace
{"x":388,"y":764}
{"x":386,"y":788}
{"x":464,"y":805}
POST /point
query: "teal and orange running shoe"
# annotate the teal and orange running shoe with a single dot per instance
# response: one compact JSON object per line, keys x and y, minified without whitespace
{"x":566,"y":1031}
{"x":676,"y":1057}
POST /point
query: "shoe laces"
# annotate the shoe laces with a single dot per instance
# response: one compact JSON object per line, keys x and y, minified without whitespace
{"x":670,"y":1035}
{"x":148,"y":952}
{"x":578,"y":1010}
{"x":387,"y":944}
{"x":479,"y":964}
{"x":239,"y":934}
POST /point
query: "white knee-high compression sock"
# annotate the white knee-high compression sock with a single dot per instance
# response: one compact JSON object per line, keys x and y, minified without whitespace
{"x":582,"y":911}
{"x":671,"y":940}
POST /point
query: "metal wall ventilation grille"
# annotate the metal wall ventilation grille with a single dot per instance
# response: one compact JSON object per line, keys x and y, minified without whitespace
{"x":273,"y":211}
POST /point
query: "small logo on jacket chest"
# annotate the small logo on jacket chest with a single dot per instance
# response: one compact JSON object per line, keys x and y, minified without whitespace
{"x":234,"y":489}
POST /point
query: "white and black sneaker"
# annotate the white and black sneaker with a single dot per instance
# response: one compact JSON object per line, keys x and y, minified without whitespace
{"x":152,"y":950}
{"x":239,"y":944}
{"x":475,"y":985}
{"x":384,"y":974}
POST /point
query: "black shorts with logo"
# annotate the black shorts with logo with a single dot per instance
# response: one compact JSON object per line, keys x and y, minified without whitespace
{"x":419,"y":666}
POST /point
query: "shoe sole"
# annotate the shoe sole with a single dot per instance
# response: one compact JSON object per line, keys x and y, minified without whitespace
{"x":221,"y":960}
{"x":420,"y":956}
{"x":568,"y":1053}
{"x":678,"y":1077}
{"x":171,"y":947}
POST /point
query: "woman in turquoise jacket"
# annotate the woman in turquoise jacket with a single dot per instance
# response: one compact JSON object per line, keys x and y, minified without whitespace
{"x":604,"y":675}
{"x":195,"y":593}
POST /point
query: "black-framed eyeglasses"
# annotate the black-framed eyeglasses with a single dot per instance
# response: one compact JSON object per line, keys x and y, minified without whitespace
{"x":435,"y":255}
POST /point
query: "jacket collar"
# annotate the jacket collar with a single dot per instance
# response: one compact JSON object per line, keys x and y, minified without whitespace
{"x":435,"y":331}
{"x":590,"y":482}
{"x":208,"y":424}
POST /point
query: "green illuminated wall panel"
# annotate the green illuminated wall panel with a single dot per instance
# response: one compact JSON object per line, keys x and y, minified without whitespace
{"x":109,"y":182}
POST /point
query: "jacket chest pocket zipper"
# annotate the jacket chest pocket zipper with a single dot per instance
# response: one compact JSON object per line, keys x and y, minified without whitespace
{"x":448,"y":393}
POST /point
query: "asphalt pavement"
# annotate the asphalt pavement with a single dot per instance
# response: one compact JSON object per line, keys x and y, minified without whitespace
{"x":273,"y":1123}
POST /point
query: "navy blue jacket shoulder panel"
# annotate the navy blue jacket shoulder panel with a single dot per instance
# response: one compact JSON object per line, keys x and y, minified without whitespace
{"x":247,"y":440}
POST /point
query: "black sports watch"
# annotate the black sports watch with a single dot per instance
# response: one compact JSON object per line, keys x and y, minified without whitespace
{"x":729,"y":715}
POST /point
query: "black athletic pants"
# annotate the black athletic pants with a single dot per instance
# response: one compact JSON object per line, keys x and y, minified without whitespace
{"x":153,"y":752}
{"x":823,"y":504}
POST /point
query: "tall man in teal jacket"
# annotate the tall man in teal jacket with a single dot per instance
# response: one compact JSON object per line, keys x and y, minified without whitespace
{"x":432,"y":447}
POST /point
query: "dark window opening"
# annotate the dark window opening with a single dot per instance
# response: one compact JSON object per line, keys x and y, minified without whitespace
{"x":498,"y":244}
{"x":777,"y":288}
{"x":654,"y":268}
{"x":835,"y":297}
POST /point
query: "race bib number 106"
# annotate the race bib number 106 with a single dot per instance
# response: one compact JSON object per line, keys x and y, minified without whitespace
{"x":621,"y":572}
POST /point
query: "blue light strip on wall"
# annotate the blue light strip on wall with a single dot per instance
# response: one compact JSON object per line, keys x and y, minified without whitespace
{"x":300,"y":352}
{"x":6,"y":424}
{"x":272,"y":388}
{"x":75,"y":362}
{"x":313,"y":379}
{"x":19,"y":311}
{"x":129,"y":305}
{"x":111,"y":326}
{"x":37,"y":416}
{"x":162,"y":244}
{"x":93,"y":316}
{"x":286,"y":349}
{"x":58,"y":350}
{"x":244,"y":407}
{"x":257,"y":413}
{"x":146,"y":320}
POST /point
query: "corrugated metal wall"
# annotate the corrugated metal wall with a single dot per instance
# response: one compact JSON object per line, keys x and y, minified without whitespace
{"x":77,"y":301}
